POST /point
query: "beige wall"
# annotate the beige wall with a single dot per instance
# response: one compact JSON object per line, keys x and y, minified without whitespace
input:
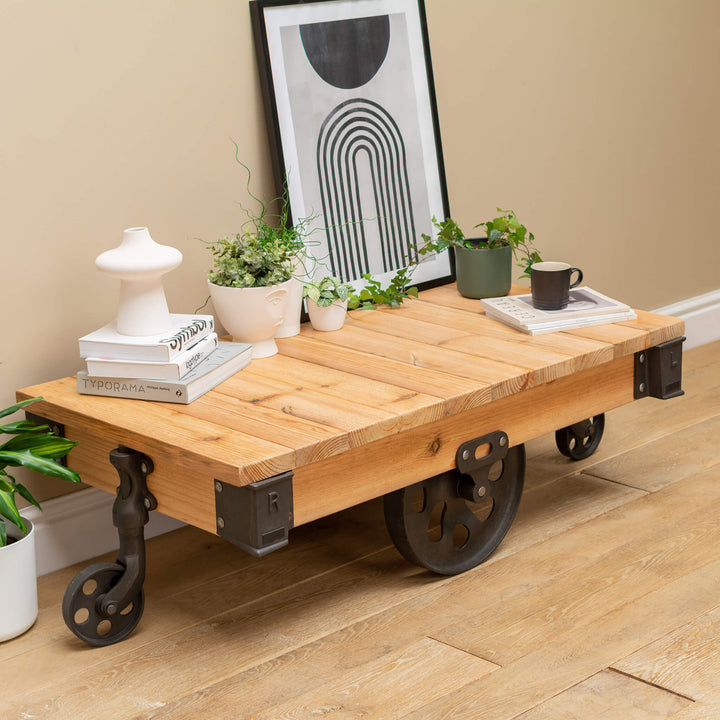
{"x":596,"y":120}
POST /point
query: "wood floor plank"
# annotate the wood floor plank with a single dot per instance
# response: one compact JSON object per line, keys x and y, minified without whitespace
{"x":543,"y":673}
{"x":686,"y":661}
{"x":658,"y":463}
{"x":390,"y":687}
{"x":574,"y":601}
{"x":608,"y":696}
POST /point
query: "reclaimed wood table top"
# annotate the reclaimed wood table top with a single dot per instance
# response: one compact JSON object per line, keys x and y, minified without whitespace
{"x":387,"y":371}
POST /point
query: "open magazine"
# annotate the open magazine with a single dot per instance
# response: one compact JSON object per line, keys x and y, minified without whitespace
{"x":586,"y":307}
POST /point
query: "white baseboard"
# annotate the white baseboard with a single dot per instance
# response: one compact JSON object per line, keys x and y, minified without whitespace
{"x":701,"y":315}
{"x":79,"y":526}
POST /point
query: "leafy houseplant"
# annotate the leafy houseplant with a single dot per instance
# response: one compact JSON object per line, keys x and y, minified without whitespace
{"x":35,"y":447}
{"x":327,"y":290}
{"x":502,"y":231}
{"x":483,"y":265}
{"x":327,"y":302}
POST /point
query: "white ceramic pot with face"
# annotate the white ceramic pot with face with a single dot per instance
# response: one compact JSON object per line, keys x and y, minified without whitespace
{"x":252,"y":315}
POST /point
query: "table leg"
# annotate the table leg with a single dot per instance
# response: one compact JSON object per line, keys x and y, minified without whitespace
{"x":104,"y":602}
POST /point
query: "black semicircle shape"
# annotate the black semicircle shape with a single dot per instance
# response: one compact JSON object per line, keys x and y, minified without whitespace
{"x":347,"y":53}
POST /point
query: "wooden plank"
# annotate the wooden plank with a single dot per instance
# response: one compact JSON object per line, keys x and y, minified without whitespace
{"x":478,"y":323}
{"x":656,"y":464}
{"x":430,"y":449}
{"x":348,"y":386}
{"x":546,"y":364}
{"x":389,"y":687}
{"x":458,"y":393}
{"x":156,"y":429}
{"x":544,"y":673}
{"x":504,"y":378}
{"x":685,"y":661}
{"x":608,"y":695}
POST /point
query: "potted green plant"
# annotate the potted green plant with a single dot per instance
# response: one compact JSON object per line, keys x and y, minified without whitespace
{"x":483,"y":265}
{"x":32,"y":446}
{"x":327,"y":301}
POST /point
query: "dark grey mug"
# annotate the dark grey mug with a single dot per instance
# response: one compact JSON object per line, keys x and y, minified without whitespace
{"x":550,"y":284}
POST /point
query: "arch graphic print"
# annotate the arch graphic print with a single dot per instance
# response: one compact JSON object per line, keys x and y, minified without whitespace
{"x":368,"y":231}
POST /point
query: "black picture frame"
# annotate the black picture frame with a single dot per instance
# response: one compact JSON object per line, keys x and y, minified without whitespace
{"x":352,"y":118}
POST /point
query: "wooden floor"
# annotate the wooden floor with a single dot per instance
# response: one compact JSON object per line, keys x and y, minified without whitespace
{"x":603,"y":602}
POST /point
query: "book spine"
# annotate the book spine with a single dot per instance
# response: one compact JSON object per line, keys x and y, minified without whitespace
{"x":134,"y":389}
{"x":173,"y":370}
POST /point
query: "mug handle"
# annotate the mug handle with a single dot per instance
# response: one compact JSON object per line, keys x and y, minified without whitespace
{"x":579,"y":277}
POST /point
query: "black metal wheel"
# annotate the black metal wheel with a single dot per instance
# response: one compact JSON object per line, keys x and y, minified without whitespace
{"x":434,"y":526}
{"x":581,"y":440}
{"x":81,"y":606}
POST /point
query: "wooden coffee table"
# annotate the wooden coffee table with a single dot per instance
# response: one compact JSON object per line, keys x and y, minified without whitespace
{"x":428,"y":405}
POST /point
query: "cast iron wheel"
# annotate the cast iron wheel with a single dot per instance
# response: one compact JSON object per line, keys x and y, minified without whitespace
{"x":581,"y":440}
{"x":434,"y":527}
{"x":81,"y":606}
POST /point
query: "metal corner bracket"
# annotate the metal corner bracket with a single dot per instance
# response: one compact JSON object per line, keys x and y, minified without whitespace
{"x":658,"y":371}
{"x":256,"y":517}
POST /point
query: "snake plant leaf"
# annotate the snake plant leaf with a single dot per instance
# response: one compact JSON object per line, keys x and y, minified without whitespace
{"x":8,"y":509}
{"x":49,"y":446}
{"x":43,"y":465}
{"x":18,"y":406}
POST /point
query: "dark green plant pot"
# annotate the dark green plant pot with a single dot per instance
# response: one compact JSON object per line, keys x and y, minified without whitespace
{"x":483,"y":272}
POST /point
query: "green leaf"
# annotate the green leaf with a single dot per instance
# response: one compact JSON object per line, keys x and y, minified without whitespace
{"x":49,"y":446}
{"x":25,"y":493}
{"x":22,"y":426}
{"x":8,"y":509}
{"x":40,"y":464}
{"x":3,"y":534}
{"x":18,"y":406}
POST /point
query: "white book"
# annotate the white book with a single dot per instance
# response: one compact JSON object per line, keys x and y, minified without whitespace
{"x":587,"y":307}
{"x":222,"y":363}
{"x":186,"y":331}
{"x":175,"y":369}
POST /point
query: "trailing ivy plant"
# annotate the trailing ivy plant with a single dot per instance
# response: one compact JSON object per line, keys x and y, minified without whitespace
{"x":501,"y":231}
{"x":33,"y":446}
{"x":374,"y":294}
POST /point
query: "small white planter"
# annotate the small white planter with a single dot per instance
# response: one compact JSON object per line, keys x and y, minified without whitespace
{"x":327,"y":318}
{"x":252,"y":315}
{"x":18,"y":595}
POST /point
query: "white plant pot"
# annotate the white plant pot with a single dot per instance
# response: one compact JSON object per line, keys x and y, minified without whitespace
{"x":252,"y":315}
{"x":18,"y":596}
{"x":329,"y":317}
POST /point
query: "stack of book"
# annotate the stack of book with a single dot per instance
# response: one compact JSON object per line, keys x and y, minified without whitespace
{"x":176,"y":366}
{"x":586,"y":307}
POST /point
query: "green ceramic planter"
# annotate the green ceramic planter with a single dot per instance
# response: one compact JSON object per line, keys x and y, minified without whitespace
{"x":483,"y":272}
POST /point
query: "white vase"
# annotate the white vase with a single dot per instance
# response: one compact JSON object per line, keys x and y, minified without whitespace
{"x":329,"y":317}
{"x":139,"y":263}
{"x":252,"y":315}
{"x":18,"y":595}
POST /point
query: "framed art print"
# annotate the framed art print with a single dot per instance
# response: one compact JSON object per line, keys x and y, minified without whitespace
{"x":354,"y":130}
